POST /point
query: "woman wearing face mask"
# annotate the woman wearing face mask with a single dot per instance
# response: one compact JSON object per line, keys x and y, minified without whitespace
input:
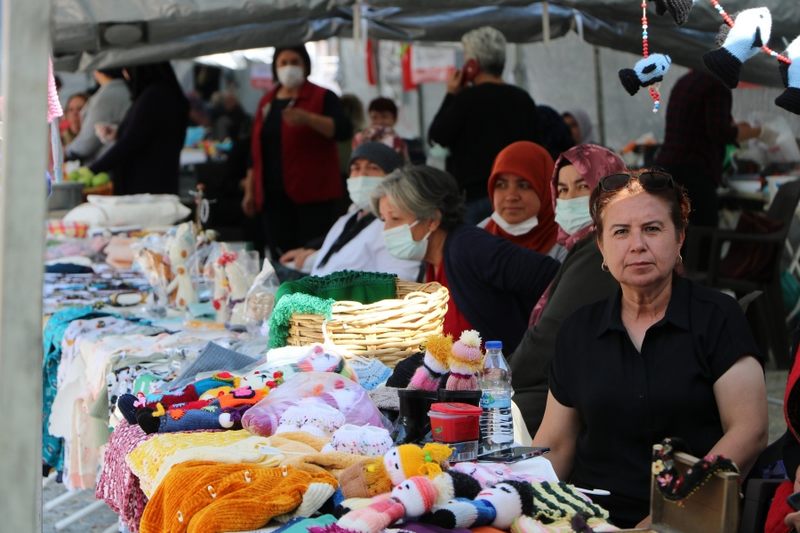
{"x":579,"y":281}
{"x":354,"y":242}
{"x":493,"y":283}
{"x":295,"y":178}
{"x":519,"y":188}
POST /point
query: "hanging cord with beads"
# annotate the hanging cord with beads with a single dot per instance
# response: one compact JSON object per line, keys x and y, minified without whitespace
{"x":729,"y":21}
{"x":654,"y":94}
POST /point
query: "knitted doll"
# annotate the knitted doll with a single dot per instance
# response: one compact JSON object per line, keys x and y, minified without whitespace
{"x":179,"y":249}
{"x":790,"y":98}
{"x":751,"y":30}
{"x":498,"y":507}
{"x":222,"y":289}
{"x":466,"y":361}
{"x":679,"y":9}
{"x":377,"y":476}
{"x":434,"y":364}
{"x":412,"y":498}
{"x":407,"y":460}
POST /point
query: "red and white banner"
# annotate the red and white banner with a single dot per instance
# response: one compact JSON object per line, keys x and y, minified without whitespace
{"x":430,"y":64}
{"x":261,"y":76}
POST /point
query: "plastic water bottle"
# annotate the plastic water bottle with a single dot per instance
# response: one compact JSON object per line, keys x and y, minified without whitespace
{"x":497,"y":425}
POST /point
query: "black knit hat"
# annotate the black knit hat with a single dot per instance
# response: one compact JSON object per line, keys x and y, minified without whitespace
{"x":377,"y":153}
{"x":300,"y":50}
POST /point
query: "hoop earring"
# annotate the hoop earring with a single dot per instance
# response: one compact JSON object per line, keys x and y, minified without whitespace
{"x":604,"y":267}
{"x":680,"y":258}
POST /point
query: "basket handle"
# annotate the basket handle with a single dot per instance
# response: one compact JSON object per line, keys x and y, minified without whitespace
{"x":329,"y":345}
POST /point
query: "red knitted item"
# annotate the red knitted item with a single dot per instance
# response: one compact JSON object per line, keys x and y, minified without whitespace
{"x":779,"y":509}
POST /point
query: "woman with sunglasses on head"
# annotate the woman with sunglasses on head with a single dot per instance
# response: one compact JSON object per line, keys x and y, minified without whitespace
{"x":493,"y":283}
{"x":663,"y":357}
{"x":579,"y":280}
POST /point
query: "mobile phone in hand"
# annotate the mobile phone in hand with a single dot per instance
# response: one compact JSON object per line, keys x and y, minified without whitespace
{"x":794,"y":501}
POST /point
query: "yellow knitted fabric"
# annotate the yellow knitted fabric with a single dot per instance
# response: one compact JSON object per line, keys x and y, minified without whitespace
{"x":152,"y":459}
{"x":206,"y":497}
{"x":147,"y":458}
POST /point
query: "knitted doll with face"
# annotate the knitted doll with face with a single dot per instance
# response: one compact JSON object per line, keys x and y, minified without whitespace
{"x":377,"y":476}
{"x":434,"y":364}
{"x":498,"y":507}
{"x":751,"y":30}
{"x":466,"y":361}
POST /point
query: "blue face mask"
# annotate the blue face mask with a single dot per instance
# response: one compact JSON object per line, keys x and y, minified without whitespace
{"x":573,"y":214}
{"x":400,"y":243}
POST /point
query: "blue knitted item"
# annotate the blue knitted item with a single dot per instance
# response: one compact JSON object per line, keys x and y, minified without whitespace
{"x":371,"y":374}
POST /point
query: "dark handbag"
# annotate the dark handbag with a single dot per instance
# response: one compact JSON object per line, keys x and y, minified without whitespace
{"x":752,"y":260}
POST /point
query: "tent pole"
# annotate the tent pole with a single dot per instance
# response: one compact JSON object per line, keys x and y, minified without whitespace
{"x":26,"y":46}
{"x":598,"y":87}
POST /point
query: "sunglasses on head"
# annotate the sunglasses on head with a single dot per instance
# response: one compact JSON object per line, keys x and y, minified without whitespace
{"x":653,"y":180}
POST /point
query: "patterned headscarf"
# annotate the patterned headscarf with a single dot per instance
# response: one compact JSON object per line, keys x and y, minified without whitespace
{"x":592,"y":162}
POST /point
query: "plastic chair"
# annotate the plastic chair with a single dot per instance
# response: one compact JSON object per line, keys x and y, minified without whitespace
{"x":768,"y":308}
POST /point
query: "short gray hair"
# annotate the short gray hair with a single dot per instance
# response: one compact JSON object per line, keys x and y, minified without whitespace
{"x":488,"y":46}
{"x":426,"y":192}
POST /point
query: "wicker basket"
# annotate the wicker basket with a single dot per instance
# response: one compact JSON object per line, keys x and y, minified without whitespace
{"x":389,"y":330}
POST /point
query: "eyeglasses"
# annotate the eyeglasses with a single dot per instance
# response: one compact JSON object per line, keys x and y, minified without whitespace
{"x":653,"y":180}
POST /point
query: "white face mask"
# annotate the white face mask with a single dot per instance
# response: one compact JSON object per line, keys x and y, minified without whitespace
{"x":400,"y":243}
{"x":521,"y":228}
{"x":573,"y":214}
{"x":291,"y":76}
{"x":360,"y":189}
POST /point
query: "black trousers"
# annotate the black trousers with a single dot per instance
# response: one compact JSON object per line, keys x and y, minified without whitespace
{"x":288,"y":225}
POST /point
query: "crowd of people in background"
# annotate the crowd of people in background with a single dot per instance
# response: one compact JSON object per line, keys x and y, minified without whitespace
{"x":544,"y":239}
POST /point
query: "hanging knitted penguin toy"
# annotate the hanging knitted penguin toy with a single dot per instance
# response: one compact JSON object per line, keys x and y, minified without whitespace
{"x":790,"y":98}
{"x":679,"y":9}
{"x":648,"y":71}
{"x":740,"y":39}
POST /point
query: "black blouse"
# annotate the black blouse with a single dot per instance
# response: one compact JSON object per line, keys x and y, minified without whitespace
{"x":627,"y":401}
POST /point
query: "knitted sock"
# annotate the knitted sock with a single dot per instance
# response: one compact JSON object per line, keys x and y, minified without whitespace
{"x":380,"y":514}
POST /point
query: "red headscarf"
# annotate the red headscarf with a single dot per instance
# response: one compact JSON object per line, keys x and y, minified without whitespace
{"x":532,"y":163}
{"x":593,"y":163}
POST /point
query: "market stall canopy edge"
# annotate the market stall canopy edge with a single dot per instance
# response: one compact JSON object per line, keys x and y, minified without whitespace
{"x":84,"y":31}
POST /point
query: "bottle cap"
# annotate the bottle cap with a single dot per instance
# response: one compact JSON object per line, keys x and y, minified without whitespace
{"x":494,"y":345}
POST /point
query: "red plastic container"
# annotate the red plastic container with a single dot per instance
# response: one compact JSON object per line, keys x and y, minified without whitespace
{"x":455,"y":422}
